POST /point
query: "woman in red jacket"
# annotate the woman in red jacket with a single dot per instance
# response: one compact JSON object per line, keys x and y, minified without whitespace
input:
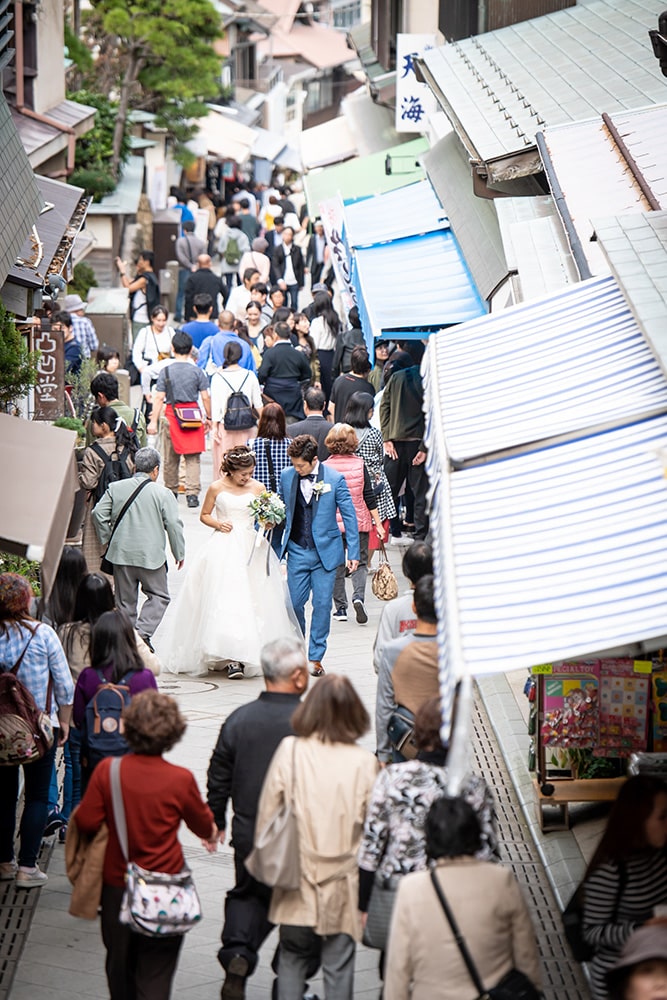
{"x":157,"y":795}
{"x":342,"y":442}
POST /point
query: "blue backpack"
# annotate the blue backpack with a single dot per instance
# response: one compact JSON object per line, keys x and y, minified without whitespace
{"x":103,"y":725}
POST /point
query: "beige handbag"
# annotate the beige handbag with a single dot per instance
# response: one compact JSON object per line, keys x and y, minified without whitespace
{"x":275,"y":860}
{"x":384,"y":583}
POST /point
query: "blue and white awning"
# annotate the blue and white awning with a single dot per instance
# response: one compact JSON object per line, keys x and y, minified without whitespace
{"x":408,"y":211}
{"x":547,"y":437}
{"x":573,"y":361}
{"x":408,"y":288}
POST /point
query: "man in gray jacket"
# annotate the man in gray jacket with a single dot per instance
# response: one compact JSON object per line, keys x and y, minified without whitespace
{"x":137,"y":549}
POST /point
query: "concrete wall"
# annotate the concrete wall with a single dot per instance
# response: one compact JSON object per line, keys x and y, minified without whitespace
{"x":49,"y":87}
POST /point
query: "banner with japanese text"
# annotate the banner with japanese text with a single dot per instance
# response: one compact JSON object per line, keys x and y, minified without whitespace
{"x":414,"y":100}
{"x":332,"y":215}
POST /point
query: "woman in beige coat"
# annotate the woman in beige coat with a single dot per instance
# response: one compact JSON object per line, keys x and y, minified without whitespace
{"x":331,"y":780}
{"x":423,"y":959}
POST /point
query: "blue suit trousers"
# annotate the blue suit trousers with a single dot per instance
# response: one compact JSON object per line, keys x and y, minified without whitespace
{"x":307,"y":576}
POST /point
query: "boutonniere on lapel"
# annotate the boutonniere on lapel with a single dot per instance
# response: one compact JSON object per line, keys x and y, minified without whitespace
{"x":321,"y":487}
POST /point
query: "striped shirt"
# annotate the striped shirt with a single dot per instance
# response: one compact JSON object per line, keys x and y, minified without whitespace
{"x":608,"y":925}
{"x":279,"y":456}
{"x":43,"y":656}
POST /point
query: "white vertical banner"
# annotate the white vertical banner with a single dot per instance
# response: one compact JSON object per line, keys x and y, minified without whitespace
{"x":414,"y":101}
{"x":333,"y":219}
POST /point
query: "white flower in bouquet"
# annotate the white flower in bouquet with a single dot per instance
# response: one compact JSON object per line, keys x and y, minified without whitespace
{"x":268,"y":510}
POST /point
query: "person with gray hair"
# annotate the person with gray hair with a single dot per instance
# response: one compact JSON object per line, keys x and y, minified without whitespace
{"x":131,"y":519}
{"x":240,"y":760}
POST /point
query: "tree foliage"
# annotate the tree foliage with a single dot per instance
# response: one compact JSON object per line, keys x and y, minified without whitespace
{"x":18,"y":368}
{"x":95,"y":149}
{"x":157,"y":55}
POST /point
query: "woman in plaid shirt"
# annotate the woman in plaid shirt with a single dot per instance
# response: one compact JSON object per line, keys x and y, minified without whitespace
{"x":43,"y":659}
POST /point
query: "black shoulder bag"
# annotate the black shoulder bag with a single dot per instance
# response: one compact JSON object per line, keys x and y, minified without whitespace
{"x":515,"y":985}
{"x":106,"y":565}
{"x":273,"y":482}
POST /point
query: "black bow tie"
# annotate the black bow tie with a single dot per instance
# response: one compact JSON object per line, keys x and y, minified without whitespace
{"x":311,"y":476}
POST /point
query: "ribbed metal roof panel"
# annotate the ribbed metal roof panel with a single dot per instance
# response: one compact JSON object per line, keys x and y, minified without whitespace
{"x":567,"y":363}
{"x":408,"y":211}
{"x":420,"y":283}
{"x":555,"y":553}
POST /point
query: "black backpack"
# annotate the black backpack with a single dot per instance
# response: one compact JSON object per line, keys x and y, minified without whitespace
{"x":350,"y":338}
{"x":114,"y":468}
{"x":103,"y":729}
{"x":240,"y":414}
{"x":152,"y":292}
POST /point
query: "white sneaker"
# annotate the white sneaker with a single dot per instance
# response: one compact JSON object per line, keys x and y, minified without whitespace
{"x":30,"y":878}
{"x":399,"y":540}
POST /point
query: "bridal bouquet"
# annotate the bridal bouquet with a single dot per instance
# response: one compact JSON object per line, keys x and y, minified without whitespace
{"x":268,"y":510}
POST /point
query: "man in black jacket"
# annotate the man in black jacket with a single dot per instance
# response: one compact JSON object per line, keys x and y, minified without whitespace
{"x":288,"y":268}
{"x":246,"y":744}
{"x":202,"y":281}
{"x":283,"y":374}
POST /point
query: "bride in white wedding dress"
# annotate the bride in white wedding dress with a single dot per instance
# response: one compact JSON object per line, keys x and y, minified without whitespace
{"x":228,"y":606}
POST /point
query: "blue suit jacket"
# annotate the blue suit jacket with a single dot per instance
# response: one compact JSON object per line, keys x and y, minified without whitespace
{"x":326,"y":533}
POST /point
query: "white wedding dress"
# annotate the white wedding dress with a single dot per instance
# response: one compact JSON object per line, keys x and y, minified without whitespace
{"x":228,"y":606}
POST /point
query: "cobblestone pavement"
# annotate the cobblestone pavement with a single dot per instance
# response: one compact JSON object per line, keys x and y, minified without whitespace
{"x":63,"y":958}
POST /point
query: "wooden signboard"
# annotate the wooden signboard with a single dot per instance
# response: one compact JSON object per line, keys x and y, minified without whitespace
{"x":50,"y":385}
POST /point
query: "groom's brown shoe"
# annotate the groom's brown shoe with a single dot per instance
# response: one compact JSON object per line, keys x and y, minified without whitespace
{"x":316,"y":668}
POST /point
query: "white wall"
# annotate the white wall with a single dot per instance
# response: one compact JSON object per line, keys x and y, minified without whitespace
{"x":49,"y":86}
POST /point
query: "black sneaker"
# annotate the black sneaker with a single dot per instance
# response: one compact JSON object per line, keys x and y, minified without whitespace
{"x":53,"y":823}
{"x":192,"y":500}
{"x":340,"y":615}
{"x":235,"y":670}
{"x":360,"y":612}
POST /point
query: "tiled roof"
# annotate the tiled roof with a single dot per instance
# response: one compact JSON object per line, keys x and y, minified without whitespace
{"x":20,"y":200}
{"x":502,"y":87}
{"x":635,"y":247}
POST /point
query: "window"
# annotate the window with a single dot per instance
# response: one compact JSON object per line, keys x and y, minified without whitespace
{"x":347,"y":15}
{"x":320,"y":94}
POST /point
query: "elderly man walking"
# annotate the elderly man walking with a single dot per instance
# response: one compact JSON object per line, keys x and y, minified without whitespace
{"x":131,"y":519}
{"x":241,"y":758}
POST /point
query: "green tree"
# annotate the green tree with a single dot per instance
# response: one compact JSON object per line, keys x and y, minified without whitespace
{"x":18,"y":368}
{"x":95,"y":149}
{"x":157,"y":55}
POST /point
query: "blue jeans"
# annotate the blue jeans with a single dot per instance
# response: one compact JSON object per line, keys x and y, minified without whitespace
{"x":72,"y":782}
{"x":37,"y":777}
{"x":307,"y":576}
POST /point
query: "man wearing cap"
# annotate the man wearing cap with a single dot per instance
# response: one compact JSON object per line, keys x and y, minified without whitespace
{"x":83,"y":329}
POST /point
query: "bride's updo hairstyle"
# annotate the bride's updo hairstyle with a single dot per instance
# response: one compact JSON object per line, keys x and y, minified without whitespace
{"x":240,"y":457}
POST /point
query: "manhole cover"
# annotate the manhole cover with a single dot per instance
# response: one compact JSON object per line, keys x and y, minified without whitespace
{"x":186,"y":686}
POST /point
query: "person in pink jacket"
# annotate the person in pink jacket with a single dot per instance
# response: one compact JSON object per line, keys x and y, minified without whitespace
{"x":342,"y":442}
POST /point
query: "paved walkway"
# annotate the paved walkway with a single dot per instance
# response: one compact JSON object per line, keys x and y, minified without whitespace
{"x":63,"y":958}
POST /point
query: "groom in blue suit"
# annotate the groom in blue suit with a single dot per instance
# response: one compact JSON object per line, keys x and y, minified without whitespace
{"x":312,"y":493}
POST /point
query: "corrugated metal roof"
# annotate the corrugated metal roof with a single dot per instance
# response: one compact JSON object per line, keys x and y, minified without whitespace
{"x":553,"y":554}
{"x":635,"y":247}
{"x":566,"y":364}
{"x":414,"y":285}
{"x":500,"y":88}
{"x":473,"y":219}
{"x":365,"y":175}
{"x":408,"y":211}
{"x":595,"y":175}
